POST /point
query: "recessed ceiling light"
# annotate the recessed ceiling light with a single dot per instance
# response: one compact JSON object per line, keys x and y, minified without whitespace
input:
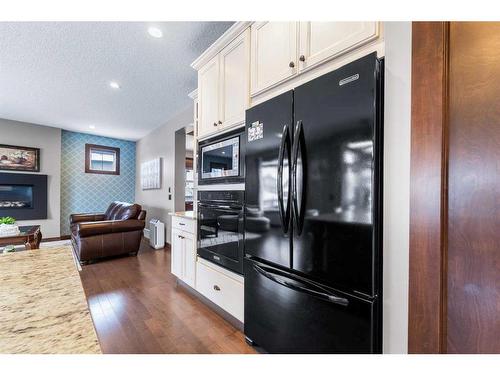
{"x":114,"y":85}
{"x":92,"y":126}
{"x":155,"y":32}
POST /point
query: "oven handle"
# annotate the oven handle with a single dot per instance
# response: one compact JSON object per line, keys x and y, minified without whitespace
{"x":285,"y":144}
{"x":235,"y":208}
{"x":307,"y":288}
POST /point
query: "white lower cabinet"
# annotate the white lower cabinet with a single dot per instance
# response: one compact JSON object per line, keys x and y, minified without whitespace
{"x":222,"y":287}
{"x":177,"y":253}
{"x":183,"y":256}
{"x":189,"y":260}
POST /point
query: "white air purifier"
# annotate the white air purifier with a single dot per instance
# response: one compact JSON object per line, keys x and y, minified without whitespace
{"x":156,"y":234}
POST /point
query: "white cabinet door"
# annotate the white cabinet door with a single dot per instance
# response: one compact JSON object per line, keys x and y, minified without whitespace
{"x":321,"y":41}
{"x":208,"y":96}
{"x":273,"y":54}
{"x":222,"y":290}
{"x":177,"y":253}
{"x":235,"y":80}
{"x":189,"y":260}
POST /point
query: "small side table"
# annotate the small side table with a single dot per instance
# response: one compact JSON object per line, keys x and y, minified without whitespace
{"x":30,"y":236}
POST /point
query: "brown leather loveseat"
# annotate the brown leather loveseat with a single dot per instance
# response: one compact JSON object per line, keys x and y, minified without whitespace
{"x":117,"y":231}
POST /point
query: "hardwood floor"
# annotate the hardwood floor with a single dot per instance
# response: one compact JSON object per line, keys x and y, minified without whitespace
{"x":138,"y":308}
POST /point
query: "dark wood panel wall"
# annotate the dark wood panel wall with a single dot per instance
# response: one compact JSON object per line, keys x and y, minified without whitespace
{"x":474,"y":188}
{"x":427,"y":294}
{"x":454,"y":291}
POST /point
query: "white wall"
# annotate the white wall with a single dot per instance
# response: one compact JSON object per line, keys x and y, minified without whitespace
{"x":48,"y":140}
{"x":396,"y":184}
{"x":160,"y":143}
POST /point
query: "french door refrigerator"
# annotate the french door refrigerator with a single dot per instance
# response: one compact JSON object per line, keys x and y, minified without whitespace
{"x":313,"y":215}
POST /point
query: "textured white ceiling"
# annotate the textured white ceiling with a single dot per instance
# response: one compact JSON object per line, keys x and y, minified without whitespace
{"x":58,"y":74}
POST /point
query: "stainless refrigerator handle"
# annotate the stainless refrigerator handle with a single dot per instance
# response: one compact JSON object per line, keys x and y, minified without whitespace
{"x":299,"y":144}
{"x":323,"y":295}
{"x":284,"y":214}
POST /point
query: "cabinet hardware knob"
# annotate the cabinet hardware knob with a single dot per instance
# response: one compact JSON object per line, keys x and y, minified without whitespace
{"x":216,"y":287}
{"x":291,"y":64}
{"x":302,"y":58}
{"x":220,"y":122}
{"x":215,"y":124}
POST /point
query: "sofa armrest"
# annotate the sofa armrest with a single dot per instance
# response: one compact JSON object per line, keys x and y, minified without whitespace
{"x":87,"y":229}
{"x":79,"y":218}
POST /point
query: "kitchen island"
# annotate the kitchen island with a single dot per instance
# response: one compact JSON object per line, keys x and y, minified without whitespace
{"x":42,"y":304}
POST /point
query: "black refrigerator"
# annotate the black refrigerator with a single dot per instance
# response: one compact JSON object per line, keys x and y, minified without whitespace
{"x":313,"y":215}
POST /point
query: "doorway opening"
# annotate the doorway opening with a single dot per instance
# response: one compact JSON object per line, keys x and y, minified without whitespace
{"x":184,"y":169}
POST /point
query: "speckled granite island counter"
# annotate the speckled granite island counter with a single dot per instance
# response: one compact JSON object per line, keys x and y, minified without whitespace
{"x":42,"y":304}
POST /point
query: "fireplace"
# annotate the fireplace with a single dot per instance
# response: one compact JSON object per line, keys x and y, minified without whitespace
{"x":23,"y":196}
{"x":16,"y":196}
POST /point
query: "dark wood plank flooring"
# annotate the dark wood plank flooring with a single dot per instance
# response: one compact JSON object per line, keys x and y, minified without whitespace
{"x":138,"y":308}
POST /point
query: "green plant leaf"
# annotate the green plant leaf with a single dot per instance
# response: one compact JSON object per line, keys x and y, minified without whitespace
{"x":7,"y":220}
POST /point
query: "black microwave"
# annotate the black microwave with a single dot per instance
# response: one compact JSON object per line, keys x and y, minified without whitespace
{"x":221,"y":159}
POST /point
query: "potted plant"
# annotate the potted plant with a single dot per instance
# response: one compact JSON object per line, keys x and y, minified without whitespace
{"x":8,"y":226}
{"x":9,"y":249}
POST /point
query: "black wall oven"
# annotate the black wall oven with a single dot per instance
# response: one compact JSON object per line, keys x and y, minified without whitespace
{"x":221,"y":159}
{"x":220,"y":228}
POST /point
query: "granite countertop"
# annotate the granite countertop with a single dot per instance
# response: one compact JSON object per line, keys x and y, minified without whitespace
{"x":184,"y":214}
{"x":42,"y":304}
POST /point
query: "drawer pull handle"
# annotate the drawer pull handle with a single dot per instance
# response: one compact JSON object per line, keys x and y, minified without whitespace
{"x":182,"y":224}
{"x":216,"y":287}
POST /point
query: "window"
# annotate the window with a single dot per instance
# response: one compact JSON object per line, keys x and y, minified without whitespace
{"x":102,"y":159}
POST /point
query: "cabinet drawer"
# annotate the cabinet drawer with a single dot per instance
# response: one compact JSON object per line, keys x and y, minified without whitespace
{"x":184,"y":224}
{"x":222,"y":290}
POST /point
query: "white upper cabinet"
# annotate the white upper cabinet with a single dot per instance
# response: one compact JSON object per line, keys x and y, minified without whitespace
{"x":235,"y":80}
{"x":273,"y":54}
{"x":224,"y":87}
{"x":254,"y":61}
{"x":321,"y":41}
{"x":208,"y":97}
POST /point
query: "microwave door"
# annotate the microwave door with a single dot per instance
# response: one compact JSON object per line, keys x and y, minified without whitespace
{"x":220,"y":160}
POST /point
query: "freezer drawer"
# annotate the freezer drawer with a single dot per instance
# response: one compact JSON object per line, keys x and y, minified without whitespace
{"x":287,"y":314}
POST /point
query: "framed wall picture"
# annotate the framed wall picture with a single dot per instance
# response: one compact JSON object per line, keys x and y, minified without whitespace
{"x":151,"y":174}
{"x":19,"y":158}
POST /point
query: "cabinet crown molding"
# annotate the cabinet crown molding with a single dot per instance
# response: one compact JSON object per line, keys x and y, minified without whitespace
{"x":193,"y":94}
{"x":220,"y":43}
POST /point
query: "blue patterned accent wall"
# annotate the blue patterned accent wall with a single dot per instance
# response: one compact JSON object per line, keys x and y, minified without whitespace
{"x":87,"y":192}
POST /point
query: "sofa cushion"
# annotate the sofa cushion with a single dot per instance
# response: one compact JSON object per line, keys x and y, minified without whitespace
{"x":123,"y":211}
{"x":127,"y":212}
{"x":111,"y":210}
